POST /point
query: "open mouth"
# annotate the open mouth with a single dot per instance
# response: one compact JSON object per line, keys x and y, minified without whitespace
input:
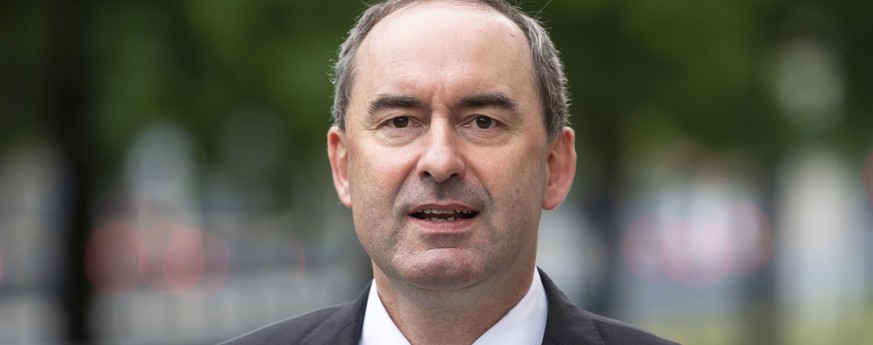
{"x":439,"y":215}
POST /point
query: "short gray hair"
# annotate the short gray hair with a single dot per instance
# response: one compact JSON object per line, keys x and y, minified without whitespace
{"x":549,"y":71}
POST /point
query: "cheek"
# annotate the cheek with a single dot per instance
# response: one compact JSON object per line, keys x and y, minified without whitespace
{"x":375,"y":177}
{"x":517,"y":186}
{"x":519,"y":175}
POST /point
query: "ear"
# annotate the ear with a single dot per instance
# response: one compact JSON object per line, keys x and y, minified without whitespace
{"x":561,"y":168}
{"x":338,"y":155}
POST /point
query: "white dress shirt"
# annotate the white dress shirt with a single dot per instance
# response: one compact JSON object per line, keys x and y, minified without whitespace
{"x":523,"y":324}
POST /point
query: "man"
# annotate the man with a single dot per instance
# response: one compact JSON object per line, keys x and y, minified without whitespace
{"x":450,"y":139}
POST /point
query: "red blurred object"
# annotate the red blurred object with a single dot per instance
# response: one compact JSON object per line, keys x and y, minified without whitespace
{"x":217,"y":265}
{"x":173,"y":258}
{"x":697,"y":255}
{"x":696,"y":250}
{"x":111,"y":258}
{"x":184,"y":260}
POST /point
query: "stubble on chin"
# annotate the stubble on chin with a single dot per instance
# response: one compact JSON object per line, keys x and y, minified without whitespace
{"x":435,"y":263}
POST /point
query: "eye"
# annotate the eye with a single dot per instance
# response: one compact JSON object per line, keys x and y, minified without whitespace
{"x":400,"y":122}
{"x":484,"y":122}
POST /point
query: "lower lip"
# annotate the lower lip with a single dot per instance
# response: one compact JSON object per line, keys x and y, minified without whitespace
{"x":447,"y":227}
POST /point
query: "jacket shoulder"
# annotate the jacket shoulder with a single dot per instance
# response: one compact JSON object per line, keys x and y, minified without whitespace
{"x":289,"y":331}
{"x":340,"y":324}
{"x":568,"y":324}
{"x":617,"y":332}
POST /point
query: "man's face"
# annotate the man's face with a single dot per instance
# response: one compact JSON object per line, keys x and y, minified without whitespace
{"x":444,"y":160}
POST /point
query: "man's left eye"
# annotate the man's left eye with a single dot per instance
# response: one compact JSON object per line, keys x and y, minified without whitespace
{"x":400,"y":122}
{"x":484,"y":122}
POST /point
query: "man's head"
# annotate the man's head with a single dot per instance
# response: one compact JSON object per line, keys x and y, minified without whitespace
{"x":444,"y":156}
{"x":548,"y":70}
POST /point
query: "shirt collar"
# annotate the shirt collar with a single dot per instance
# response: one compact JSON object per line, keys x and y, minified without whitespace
{"x":378,"y":328}
{"x":523,"y":324}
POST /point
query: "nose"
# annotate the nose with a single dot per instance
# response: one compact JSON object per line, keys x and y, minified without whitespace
{"x":441,"y":159}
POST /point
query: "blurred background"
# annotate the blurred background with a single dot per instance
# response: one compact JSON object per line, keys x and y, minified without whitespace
{"x":163,"y":177}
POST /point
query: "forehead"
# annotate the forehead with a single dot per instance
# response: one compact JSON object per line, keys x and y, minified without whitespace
{"x":459,"y":46}
{"x":442,"y":15}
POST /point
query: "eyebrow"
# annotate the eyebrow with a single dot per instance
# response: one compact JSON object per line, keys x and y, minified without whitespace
{"x":493,"y":99}
{"x":479,"y":100}
{"x":384,"y":101}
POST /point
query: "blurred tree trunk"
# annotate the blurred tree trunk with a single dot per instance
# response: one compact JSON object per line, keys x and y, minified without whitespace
{"x":604,"y":203}
{"x":67,"y":115}
{"x":759,"y":288}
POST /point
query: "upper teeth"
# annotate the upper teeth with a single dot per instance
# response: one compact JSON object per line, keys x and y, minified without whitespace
{"x":429,"y":211}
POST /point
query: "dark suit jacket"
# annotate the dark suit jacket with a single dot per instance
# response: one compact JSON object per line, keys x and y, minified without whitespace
{"x":341,"y":324}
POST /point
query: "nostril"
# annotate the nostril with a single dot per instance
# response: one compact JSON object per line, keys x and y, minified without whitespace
{"x":441,"y":160}
{"x":442,"y":177}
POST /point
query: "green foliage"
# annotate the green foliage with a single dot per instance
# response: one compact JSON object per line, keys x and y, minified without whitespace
{"x":22,"y":58}
{"x":638,"y":71}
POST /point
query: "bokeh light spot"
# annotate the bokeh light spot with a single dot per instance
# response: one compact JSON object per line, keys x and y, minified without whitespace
{"x":753,"y":235}
{"x":697,"y":255}
{"x":173,"y":258}
{"x":642,"y":258}
{"x":698,"y":249}
{"x":184,"y":260}
{"x":111,"y":259}
{"x":151,"y":260}
{"x":217,"y":266}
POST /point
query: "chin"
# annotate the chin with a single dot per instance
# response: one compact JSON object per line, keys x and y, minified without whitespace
{"x":441,"y":269}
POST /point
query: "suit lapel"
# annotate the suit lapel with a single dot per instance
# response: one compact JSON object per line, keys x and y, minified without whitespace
{"x":566,"y":323}
{"x":342,"y":327}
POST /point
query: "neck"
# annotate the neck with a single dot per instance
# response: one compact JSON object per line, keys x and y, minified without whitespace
{"x":456,"y":316}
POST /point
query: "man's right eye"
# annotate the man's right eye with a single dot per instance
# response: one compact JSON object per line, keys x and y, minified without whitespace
{"x":400,"y":122}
